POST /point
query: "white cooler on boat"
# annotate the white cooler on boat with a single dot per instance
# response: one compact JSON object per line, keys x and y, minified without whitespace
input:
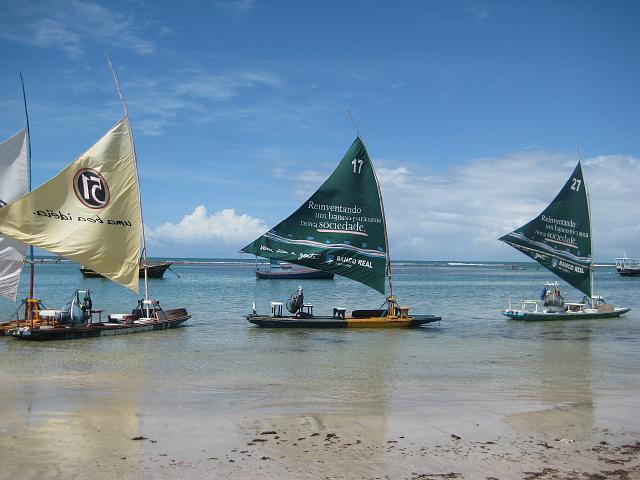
{"x":49,"y":314}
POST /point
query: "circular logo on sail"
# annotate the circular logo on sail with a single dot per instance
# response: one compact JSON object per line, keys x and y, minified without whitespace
{"x":91,"y":188}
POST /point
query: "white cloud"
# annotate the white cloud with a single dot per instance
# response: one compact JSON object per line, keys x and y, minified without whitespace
{"x":49,"y":32}
{"x":235,"y":8}
{"x":72,"y":25}
{"x":224,"y":87}
{"x":157,"y":102}
{"x":201,"y":228}
{"x":461,"y":214}
{"x":457,"y":214}
{"x":477,"y":13}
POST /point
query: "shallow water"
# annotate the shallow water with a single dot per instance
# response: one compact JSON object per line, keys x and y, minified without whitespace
{"x":219,"y":350}
{"x":474,"y":362}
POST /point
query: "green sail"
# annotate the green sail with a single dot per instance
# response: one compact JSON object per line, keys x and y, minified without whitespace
{"x":559,"y":238}
{"x":340,"y":228}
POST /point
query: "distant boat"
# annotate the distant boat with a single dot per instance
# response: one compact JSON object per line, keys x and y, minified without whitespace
{"x":628,"y":267}
{"x":154,"y":270}
{"x":340,"y":229}
{"x":513,"y":266}
{"x":283,"y":271}
{"x":559,"y":239}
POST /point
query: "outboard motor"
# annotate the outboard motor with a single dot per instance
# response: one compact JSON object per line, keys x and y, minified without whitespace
{"x":296,"y":300}
{"x":76,"y":311}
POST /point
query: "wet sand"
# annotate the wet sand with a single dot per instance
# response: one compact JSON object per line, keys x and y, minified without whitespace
{"x":410,"y":442}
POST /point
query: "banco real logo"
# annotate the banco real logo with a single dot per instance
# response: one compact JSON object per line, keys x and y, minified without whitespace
{"x":91,"y":188}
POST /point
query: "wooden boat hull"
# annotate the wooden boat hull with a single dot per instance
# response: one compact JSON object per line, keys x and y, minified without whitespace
{"x":298,"y":274}
{"x":348,"y":322}
{"x":154,"y":270}
{"x":174,"y":319}
{"x":539,"y":316}
{"x":6,"y":326}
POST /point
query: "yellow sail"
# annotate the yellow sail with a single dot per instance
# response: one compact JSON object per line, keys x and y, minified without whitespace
{"x":89,"y":212}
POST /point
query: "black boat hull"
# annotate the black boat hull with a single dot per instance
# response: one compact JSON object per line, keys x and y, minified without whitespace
{"x":628,"y":272}
{"x":175,"y":318}
{"x":349,"y":322}
{"x":154,"y":270}
{"x":299,"y":274}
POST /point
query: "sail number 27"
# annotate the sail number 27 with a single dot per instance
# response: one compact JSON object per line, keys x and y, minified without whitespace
{"x":575,"y":184}
{"x":357,"y":165}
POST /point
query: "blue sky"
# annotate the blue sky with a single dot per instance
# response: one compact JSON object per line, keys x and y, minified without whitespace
{"x":471,"y":111}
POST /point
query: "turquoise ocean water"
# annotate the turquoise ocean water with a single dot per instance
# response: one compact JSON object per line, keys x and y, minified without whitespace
{"x":220,"y":361}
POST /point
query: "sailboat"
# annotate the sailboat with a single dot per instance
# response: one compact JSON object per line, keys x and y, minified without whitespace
{"x":91,"y":213}
{"x":560,"y":239}
{"x":13,"y":185}
{"x":15,"y":181}
{"x":340,"y":229}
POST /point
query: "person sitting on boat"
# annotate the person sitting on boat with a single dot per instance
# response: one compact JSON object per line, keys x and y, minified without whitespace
{"x":295,"y":302}
{"x":87,"y":305}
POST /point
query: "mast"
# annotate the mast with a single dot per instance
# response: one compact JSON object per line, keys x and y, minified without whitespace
{"x":593,"y":264}
{"x":586,"y":190}
{"x":135,"y":162}
{"x":384,"y":219}
{"x":31,"y":256}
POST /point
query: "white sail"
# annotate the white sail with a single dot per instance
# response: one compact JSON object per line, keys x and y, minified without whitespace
{"x":89,"y":212}
{"x":14,"y":183}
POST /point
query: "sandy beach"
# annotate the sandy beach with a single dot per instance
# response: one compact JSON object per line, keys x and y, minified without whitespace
{"x":405,"y":442}
{"x":475,"y":397}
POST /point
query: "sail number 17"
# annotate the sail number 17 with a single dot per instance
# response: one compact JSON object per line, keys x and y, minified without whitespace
{"x":357,"y":165}
{"x":575,"y":185}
